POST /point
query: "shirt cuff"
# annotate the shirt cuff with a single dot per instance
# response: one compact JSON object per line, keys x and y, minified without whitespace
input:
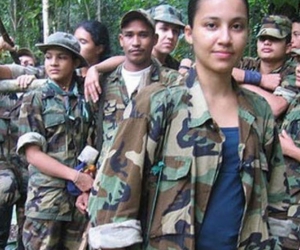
{"x":31,"y":138}
{"x":115,"y":235}
{"x":287,"y":94}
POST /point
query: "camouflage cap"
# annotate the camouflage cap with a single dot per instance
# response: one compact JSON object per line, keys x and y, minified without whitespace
{"x":167,"y":13}
{"x":139,"y":14}
{"x":276,"y":26}
{"x":66,"y":41}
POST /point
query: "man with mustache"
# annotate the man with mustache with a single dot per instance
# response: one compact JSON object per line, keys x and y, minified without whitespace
{"x":139,"y":70}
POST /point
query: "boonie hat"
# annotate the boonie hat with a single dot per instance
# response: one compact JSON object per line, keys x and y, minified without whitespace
{"x":167,"y":13}
{"x":275,"y":26}
{"x":137,"y":14}
{"x":66,"y":41}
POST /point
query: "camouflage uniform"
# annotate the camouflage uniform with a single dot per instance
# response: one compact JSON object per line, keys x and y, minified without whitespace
{"x":291,"y":124}
{"x":116,"y":100}
{"x":60,"y":123}
{"x":160,"y":171}
{"x":278,"y":27}
{"x":13,"y":169}
{"x":287,"y":88}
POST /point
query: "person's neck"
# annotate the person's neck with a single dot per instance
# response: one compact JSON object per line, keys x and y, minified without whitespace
{"x":64,"y":84}
{"x":214,"y":84}
{"x":267,"y":67}
{"x":134,"y":67}
{"x":159,"y":56}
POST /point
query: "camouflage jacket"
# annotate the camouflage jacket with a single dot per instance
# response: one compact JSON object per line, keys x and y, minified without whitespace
{"x":59,"y":122}
{"x":115,"y":101}
{"x":9,"y":113}
{"x":287,"y":88}
{"x":291,"y":124}
{"x":161,"y":168}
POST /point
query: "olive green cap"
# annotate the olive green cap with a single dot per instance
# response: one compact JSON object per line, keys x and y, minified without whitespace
{"x":66,"y":41}
{"x":167,"y":13}
{"x":275,"y":26}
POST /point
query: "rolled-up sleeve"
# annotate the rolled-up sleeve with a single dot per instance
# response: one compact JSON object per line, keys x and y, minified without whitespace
{"x":31,"y":138}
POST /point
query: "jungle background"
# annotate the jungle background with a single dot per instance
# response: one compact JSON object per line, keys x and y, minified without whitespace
{"x":31,"y":21}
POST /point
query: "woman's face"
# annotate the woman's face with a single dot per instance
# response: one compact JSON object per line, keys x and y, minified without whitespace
{"x":168,"y":34}
{"x":219,"y":34}
{"x":88,"y":49}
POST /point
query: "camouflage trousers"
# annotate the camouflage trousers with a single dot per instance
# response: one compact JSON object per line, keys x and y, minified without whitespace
{"x":12,"y":192}
{"x":9,"y":194}
{"x":41,"y":234}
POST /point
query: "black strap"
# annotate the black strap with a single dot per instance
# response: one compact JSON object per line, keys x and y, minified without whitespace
{"x":100,"y":119}
{"x":191,"y":77}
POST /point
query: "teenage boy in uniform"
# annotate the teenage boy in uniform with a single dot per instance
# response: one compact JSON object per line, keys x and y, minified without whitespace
{"x":55,"y":123}
{"x":273,"y":48}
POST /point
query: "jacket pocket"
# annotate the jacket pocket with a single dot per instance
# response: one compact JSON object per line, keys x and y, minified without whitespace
{"x":172,"y":213}
{"x":52,"y":119}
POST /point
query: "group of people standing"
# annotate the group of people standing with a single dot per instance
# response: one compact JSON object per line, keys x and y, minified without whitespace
{"x":190,"y":157}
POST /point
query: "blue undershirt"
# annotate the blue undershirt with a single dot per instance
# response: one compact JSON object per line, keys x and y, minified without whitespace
{"x":224,"y":213}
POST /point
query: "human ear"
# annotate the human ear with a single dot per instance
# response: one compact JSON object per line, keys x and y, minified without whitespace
{"x":188,"y":34}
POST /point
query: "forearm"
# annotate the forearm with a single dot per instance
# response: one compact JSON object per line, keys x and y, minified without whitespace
{"x":5,"y":72}
{"x":109,"y":64}
{"x":48,"y":165}
{"x":277,"y":103}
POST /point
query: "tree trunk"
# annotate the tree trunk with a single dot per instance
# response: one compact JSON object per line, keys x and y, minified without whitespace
{"x":45,"y":18}
{"x":98,"y":14}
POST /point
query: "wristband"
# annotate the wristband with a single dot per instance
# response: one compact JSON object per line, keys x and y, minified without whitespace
{"x":252,"y":77}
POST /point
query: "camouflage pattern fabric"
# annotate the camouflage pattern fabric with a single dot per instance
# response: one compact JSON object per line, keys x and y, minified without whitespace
{"x":288,"y":89}
{"x":13,"y":169}
{"x":169,"y":143}
{"x":46,"y":234}
{"x":116,"y":100}
{"x":167,"y":13}
{"x":9,"y":191}
{"x":291,"y":124}
{"x":278,"y":26}
{"x":60,"y":123}
{"x":18,"y":70}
